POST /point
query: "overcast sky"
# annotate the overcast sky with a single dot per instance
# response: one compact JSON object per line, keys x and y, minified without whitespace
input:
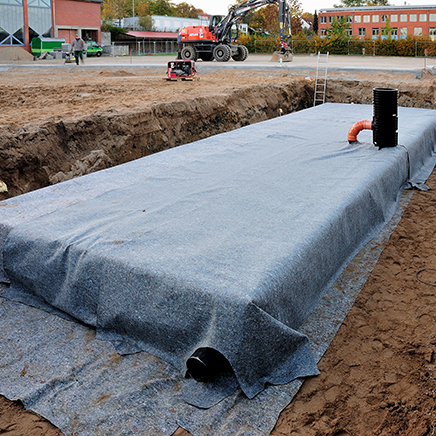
{"x":220,"y":7}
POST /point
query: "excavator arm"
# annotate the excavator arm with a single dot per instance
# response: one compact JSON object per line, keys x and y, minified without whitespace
{"x":224,"y":28}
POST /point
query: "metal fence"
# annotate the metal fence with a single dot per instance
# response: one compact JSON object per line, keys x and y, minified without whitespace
{"x":308,"y":46}
{"x":149,"y":46}
{"x":348,"y":47}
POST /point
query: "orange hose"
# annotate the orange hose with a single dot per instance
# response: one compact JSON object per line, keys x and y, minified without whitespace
{"x":355,"y":130}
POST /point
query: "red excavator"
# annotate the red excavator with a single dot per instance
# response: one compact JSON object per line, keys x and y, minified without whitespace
{"x":217,"y":40}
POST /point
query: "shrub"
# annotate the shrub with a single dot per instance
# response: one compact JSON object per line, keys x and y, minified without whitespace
{"x":410,"y":46}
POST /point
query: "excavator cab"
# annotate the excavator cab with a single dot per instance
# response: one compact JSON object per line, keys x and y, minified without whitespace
{"x":214,"y":21}
{"x":235,"y":33}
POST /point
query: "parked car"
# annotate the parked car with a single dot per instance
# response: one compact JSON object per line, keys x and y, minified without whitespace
{"x":93,"y":49}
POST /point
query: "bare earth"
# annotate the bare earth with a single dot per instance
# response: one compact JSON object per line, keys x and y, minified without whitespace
{"x":378,"y":376}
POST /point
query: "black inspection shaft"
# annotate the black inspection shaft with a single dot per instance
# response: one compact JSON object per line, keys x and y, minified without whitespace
{"x":385,"y":119}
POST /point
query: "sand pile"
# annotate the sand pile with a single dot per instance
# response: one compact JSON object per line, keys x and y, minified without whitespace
{"x":14,"y":54}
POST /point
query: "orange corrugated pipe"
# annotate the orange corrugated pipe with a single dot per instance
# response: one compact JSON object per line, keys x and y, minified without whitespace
{"x":355,"y":130}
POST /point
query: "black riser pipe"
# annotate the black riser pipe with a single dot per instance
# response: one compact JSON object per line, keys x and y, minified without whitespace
{"x":385,"y":119}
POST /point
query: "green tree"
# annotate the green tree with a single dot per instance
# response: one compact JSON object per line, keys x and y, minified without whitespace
{"x":186,"y":10}
{"x":358,"y":3}
{"x":350,"y":4}
{"x":377,"y":3}
{"x":338,"y":28}
{"x":315,"y":23}
{"x":147,"y":23}
{"x":107,"y":26}
{"x":387,"y":29}
{"x":162,"y":7}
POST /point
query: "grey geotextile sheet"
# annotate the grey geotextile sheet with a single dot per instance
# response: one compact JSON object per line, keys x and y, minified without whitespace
{"x":227,"y":243}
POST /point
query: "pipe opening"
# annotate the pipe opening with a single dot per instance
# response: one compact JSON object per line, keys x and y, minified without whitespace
{"x":206,"y":363}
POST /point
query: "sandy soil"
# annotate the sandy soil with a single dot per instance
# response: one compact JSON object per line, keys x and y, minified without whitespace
{"x":379,"y":375}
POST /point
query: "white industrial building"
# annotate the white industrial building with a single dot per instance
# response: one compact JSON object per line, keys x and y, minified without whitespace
{"x":163,"y":23}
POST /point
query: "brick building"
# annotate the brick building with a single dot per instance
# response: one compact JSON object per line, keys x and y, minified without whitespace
{"x":22,"y":20}
{"x":373,"y":21}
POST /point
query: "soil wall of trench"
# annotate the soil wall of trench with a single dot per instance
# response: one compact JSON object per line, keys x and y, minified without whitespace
{"x":40,"y":155}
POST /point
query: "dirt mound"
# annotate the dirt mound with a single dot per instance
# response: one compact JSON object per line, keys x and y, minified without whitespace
{"x":117,"y":73}
{"x":14,"y":54}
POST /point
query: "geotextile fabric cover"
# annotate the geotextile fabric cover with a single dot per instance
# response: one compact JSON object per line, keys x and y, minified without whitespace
{"x":228,"y":243}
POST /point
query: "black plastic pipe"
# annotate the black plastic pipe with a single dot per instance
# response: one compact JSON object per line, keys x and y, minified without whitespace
{"x":200,"y":365}
{"x":385,"y":119}
{"x":207,"y":363}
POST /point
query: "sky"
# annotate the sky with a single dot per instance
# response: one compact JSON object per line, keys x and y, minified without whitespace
{"x":220,"y":7}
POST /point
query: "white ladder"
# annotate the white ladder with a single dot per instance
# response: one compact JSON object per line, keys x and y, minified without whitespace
{"x":321,"y":80}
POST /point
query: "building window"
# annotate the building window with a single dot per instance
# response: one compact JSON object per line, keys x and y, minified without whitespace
{"x":323,"y":33}
{"x":331,"y":19}
{"x":349,"y":19}
{"x":362,"y":31}
{"x":403,"y":32}
{"x":403,"y":18}
{"x":432,"y":17}
{"x":394,"y":32}
{"x":366,"y":18}
{"x":384,"y":18}
{"x":417,"y":31}
{"x":412,"y":18}
{"x":323,"y":20}
{"x":375,"y":32}
{"x":349,"y":32}
{"x":375,"y":18}
{"x":394,"y":18}
{"x":432,"y":33}
{"x":422,"y":18}
{"x":357,"y":18}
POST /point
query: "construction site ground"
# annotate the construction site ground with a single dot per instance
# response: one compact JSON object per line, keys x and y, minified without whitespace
{"x":59,"y":121}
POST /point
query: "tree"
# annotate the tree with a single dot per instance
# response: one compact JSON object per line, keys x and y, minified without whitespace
{"x":162,"y":7}
{"x":142,"y":8}
{"x":377,"y":3}
{"x":186,"y":10}
{"x":387,"y":29}
{"x":266,"y":19}
{"x":339,"y":28}
{"x":358,"y":3}
{"x":147,"y":23}
{"x":114,"y":31}
{"x":315,"y":23}
{"x":350,"y":3}
{"x":115,"y":9}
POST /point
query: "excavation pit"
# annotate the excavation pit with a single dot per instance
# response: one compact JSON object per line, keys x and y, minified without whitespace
{"x":112,"y":179}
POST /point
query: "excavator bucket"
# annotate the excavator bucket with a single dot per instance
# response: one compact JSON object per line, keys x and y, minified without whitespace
{"x":285,"y":57}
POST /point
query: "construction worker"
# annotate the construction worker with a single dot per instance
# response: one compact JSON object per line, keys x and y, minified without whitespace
{"x":78,"y":47}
